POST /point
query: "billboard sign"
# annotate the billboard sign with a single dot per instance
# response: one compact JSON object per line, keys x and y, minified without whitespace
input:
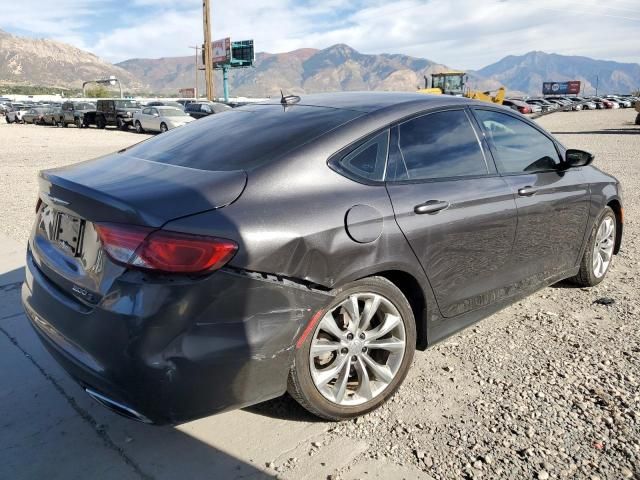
{"x":242,"y":54}
{"x":561,"y":88}
{"x":187,"y":92}
{"x":221,"y":51}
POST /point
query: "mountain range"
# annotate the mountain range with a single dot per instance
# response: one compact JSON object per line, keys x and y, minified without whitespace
{"x":27,"y":61}
{"x":306,"y":70}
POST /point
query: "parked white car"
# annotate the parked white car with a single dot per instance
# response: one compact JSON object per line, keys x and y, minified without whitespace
{"x":160,"y":119}
{"x":14,"y":114}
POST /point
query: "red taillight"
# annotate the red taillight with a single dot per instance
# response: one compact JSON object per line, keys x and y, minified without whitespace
{"x":165,"y":251}
{"x":525,"y":110}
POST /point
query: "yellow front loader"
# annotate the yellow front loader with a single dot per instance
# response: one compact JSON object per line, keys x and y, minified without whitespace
{"x":453,"y":83}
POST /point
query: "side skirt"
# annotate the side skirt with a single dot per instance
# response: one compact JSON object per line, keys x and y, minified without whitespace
{"x":445,"y":327}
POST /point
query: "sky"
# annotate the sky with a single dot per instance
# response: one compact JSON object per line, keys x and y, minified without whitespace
{"x":459,"y":33}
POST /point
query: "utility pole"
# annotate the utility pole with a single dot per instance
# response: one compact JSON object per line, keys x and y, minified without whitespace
{"x":597,"y":82}
{"x":208,"y":64}
{"x":195,"y":90}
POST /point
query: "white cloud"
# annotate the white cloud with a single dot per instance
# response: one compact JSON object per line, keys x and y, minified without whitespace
{"x":459,"y":33}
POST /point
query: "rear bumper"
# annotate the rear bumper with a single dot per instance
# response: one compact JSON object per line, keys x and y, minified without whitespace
{"x":172,"y":353}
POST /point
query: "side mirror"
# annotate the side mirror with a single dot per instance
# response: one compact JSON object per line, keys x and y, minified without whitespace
{"x":577,"y":158}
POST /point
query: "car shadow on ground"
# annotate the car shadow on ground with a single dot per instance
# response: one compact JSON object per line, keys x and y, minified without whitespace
{"x":566,"y":283}
{"x":283,"y":408}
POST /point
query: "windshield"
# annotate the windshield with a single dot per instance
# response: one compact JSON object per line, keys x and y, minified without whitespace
{"x":85,"y":106}
{"x":172,"y":112}
{"x":243,"y":138}
{"x":448,"y":83}
{"x":127,"y":104}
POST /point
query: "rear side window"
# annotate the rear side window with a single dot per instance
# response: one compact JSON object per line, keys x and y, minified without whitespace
{"x":369,"y":159}
{"x":519,"y":147}
{"x":439,"y":145}
{"x":243,"y":138}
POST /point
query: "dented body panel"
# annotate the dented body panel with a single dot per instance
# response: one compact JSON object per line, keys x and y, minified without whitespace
{"x":180,"y":350}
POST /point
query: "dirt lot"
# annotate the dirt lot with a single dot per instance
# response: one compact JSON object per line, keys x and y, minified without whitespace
{"x":548,"y":388}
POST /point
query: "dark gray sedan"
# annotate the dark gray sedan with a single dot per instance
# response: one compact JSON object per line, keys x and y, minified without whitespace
{"x":309,"y":244}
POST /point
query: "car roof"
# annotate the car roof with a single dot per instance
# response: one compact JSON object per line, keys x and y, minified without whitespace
{"x":165,"y":107}
{"x":372,"y":101}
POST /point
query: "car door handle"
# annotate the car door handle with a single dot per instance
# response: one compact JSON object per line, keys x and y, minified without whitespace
{"x":527,"y":191}
{"x":431,"y":206}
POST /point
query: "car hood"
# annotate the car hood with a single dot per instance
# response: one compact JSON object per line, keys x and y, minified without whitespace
{"x":185,"y":119}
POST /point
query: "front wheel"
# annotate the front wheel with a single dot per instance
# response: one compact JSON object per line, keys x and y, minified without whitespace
{"x":78,"y":122}
{"x":139,"y":128}
{"x":163,"y":127}
{"x":358,"y":353}
{"x":599,"y":251}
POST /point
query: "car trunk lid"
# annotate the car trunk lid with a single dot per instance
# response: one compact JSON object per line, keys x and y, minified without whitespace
{"x":117,"y":189}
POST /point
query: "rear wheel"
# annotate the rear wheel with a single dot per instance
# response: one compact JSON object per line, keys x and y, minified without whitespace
{"x":163,"y":127}
{"x":599,"y":252}
{"x":359,"y":352}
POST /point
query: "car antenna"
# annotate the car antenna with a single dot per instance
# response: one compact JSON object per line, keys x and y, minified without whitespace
{"x":288,"y":99}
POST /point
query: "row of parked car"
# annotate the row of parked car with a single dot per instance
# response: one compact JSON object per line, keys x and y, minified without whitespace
{"x":153,"y":116}
{"x":548,"y":104}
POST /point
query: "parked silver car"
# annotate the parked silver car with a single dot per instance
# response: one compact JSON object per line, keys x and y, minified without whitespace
{"x":160,"y":119}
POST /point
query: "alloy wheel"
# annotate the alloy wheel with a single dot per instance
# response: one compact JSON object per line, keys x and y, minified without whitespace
{"x":357,"y":349}
{"x":603,"y":246}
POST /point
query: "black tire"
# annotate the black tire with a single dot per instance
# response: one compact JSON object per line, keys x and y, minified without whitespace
{"x":7,"y":119}
{"x":163,"y":128}
{"x":121,"y":124}
{"x":586,"y":277}
{"x":300,"y":384}
{"x":139,"y":128}
{"x":101,"y":123}
{"x":78,"y":122}
{"x":638,"y":119}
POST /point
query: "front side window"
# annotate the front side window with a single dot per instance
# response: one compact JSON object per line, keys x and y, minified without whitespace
{"x":146,"y":111}
{"x":368,"y":160}
{"x":438,"y":145}
{"x":519,"y":147}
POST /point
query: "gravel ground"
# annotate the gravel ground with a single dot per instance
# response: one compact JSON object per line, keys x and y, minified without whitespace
{"x":547,"y":388}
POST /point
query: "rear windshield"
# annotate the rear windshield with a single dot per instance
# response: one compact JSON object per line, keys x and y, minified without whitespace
{"x":85,"y":106}
{"x":127,"y":104}
{"x":243,"y":138}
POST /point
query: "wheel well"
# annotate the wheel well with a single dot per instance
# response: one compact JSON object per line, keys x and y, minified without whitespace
{"x":617,"y":209}
{"x":411,"y":289}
